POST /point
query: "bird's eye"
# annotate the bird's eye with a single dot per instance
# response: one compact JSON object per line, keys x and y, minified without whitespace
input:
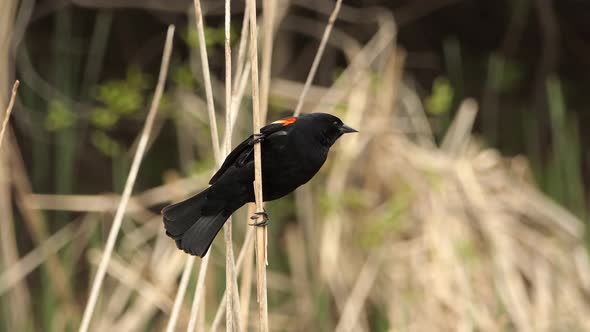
{"x":335,"y":123}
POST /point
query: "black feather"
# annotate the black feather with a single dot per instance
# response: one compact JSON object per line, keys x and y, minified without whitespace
{"x":194,"y":222}
{"x":179,"y":217}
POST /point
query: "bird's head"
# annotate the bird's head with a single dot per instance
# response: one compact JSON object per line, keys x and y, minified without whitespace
{"x":325,"y":127}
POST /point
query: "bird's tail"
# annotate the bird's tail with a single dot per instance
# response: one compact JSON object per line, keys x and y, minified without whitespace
{"x":194,"y":223}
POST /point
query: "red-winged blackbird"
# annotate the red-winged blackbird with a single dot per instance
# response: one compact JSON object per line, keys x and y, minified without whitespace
{"x":293,"y":151}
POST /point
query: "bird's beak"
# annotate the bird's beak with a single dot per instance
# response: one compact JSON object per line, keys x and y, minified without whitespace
{"x":346,"y":129}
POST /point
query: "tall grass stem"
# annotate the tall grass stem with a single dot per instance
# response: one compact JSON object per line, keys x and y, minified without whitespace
{"x":139,"y":153}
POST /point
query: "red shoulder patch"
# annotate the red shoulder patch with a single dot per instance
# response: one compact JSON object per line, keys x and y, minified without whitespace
{"x":286,"y":122}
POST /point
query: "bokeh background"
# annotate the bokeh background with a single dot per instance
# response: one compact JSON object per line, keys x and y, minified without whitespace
{"x":461,"y":205}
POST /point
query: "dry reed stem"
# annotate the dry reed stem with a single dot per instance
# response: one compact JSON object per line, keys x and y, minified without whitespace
{"x":207,"y":81}
{"x":9,"y":34}
{"x":230,"y":266}
{"x":298,"y":263}
{"x":318,"y":57}
{"x":19,"y":270}
{"x":358,"y":295}
{"x":125,"y":317}
{"x":115,"y":305}
{"x":118,"y":219}
{"x":133,"y":280}
{"x":332,"y":247}
{"x":242,"y":48}
{"x":34,"y":223}
{"x":417,"y":116}
{"x":457,"y":137}
{"x":198,"y":298}
{"x":246,"y":282}
{"x":244,"y":252}
{"x":338,"y":39}
{"x":232,"y":311}
{"x":19,"y":297}
{"x":109,"y":202}
{"x":268,"y":9}
{"x":336,"y":182}
{"x":228,"y":79}
{"x":357,"y":68}
{"x":239,"y":95}
{"x":178,"y":299}
{"x":422,"y":287}
{"x":9,"y":110}
{"x":261,"y":255}
{"x":136,"y":316}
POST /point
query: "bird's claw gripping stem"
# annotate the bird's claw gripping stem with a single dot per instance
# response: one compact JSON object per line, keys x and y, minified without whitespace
{"x":258,"y":138}
{"x":265,"y":219}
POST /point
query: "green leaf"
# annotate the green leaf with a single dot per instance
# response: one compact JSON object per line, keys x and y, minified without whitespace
{"x":137,"y":79}
{"x":441,"y":99}
{"x":506,"y":75}
{"x":183,"y":77}
{"x":124,"y":97}
{"x":120,"y":97}
{"x":105,"y":144}
{"x":104,"y":118}
{"x":213,"y":36}
{"x":59,"y":116}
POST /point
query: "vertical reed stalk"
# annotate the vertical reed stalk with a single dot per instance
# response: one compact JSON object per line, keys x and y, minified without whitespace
{"x":267,"y":42}
{"x":186,"y":273}
{"x":19,"y":299}
{"x":246,"y":282}
{"x":241,"y":61}
{"x":197,"y":298}
{"x":260,"y":231}
{"x":231,"y":285}
{"x":244,"y":252}
{"x":141,"y":148}
{"x":8,"y":111}
{"x":231,"y":282}
{"x":318,"y":57}
{"x":199,"y":289}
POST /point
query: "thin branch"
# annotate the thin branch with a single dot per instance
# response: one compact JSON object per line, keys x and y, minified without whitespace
{"x":260,"y":231}
{"x":318,"y":56}
{"x":9,"y":110}
{"x":118,"y":220}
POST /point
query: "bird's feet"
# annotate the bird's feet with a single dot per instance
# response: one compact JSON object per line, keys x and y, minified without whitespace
{"x":265,"y":219}
{"x":258,"y":138}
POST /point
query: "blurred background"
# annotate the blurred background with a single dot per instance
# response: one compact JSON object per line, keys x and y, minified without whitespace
{"x":461,"y":205}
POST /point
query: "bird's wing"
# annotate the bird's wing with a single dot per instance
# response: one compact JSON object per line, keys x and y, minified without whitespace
{"x":243,"y":153}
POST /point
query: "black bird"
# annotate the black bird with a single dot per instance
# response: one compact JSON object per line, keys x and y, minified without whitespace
{"x":293,"y":151}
